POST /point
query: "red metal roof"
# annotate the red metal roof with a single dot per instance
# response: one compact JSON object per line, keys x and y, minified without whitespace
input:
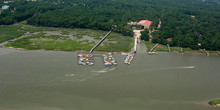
{"x":145,"y":22}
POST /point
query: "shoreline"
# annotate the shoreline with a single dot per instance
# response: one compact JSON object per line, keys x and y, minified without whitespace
{"x":117,"y":52}
{"x":77,"y":51}
{"x":214,"y":103}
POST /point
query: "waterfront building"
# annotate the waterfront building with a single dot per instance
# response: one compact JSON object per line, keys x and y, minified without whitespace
{"x":145,"y":23}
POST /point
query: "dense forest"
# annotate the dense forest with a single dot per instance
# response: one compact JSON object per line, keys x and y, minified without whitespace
{"x":187,"y":22}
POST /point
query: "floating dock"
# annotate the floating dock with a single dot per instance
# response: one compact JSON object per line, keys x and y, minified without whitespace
{"x":109,"y":60}
{"x":85,"y":59}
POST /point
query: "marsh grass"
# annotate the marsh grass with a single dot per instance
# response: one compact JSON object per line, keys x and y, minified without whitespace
{"x":63,"y":42}
{"x":8,"y":32}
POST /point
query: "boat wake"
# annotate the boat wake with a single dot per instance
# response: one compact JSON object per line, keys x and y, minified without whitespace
{"x":103,"y":70}
{"x":187,"y":67}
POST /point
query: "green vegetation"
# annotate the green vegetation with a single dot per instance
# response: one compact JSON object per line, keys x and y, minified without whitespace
{"x":216,"y":102}
{"x":65,"y":33}
{"x":40,"y":41}
{"x":161,"y":47}
{"x":145,"y":35}
{"x":187,"y":23}
{"x":33,"y":29}
{"x":79,"y":36}
{"x":115,"y":41}
{"x":123,"y":43}
{"x":10,"y":32}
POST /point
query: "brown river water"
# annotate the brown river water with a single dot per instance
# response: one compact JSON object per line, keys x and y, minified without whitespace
{"x":52,"y":80}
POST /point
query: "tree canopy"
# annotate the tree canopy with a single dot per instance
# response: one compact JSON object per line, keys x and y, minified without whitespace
{"x":187,"y":22}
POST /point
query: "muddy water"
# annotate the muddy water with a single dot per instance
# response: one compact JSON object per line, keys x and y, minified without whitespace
{"x":52,"y":80}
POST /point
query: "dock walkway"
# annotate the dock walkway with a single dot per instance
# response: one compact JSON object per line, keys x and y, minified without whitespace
{"x":151,"y":51}
{"x":100,"y":41}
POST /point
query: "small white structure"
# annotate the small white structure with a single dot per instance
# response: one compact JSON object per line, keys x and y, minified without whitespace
{"x":5,"y":7}
{"x":6,"y":2}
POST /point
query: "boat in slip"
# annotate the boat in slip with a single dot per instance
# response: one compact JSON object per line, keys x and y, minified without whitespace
{"x":108,"y":64}
{"x":91,"y":63}
{"x":114,"y":62}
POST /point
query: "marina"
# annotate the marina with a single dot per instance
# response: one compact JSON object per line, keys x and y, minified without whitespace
{"x":88,"y":59}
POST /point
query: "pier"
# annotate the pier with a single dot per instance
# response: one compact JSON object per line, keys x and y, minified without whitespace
{"x":168,"y":46}
{"x":207,"y":53}
{"x":181,"y":49}
{"x":100,"y":41}
{"x":151,"y":51}
{"x":135,"y":44}
{"x":218,"y":53}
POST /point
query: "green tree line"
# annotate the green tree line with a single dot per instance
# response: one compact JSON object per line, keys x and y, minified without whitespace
{"x":187,"y":22}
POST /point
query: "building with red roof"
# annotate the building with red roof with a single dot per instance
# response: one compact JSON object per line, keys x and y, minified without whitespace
{"x":145,"y":23}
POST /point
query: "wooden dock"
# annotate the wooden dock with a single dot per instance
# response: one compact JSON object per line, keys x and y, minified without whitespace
{"x":135,"y":44}
{"x":218,"y":53}
{"x":182,"y":51}
{"x":100,"y":41}
{"x":108,"y":58}
{"x":151,"y":51}
{"x":130,"y":59}
{"x":168,"y":46}
{"x":86,"y":61}
{"x":206,"y":52}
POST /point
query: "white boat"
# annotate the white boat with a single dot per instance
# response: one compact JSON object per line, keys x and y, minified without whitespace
{"x":114,"y":63}
{"x":108,"y":64}
{"x":80,"y":55}
{"x":90,"y":63}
